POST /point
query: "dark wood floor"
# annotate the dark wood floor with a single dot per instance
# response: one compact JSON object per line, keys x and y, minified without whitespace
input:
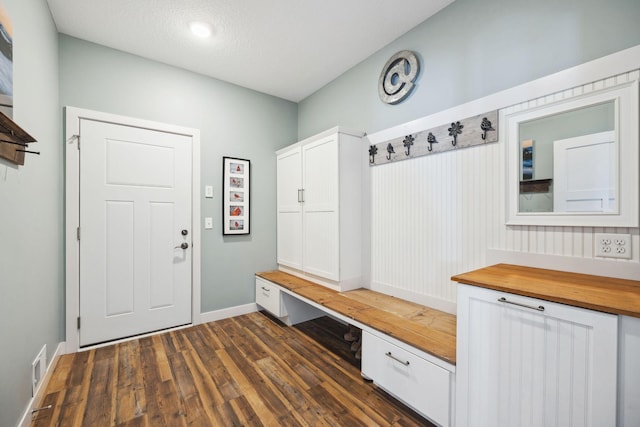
{"x":249,"y":370}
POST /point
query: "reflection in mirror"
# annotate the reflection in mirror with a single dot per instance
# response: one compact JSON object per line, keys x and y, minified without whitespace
{"x":568,"y":161}
{"x":573,"y":157}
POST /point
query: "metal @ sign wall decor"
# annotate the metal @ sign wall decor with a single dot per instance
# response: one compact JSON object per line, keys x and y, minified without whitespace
{"x":398,"y":76}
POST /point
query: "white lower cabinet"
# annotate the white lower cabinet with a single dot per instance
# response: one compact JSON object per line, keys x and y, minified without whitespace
{"x":420,"y":384}
{"x":269,"y":297}
{"x":528,"y":362}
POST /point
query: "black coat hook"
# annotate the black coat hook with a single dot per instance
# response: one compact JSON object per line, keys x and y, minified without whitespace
{"x":30,"y":152}
{"x":373,"y":150}
{"x":431,"y":139}
{"x":408,"y":142}
{"x":454,"y":131}
{"x":390,"y":151}
{"x":485,"y":126}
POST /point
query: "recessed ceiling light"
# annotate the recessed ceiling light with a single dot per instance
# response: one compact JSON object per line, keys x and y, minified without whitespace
{"x":200,"y":29}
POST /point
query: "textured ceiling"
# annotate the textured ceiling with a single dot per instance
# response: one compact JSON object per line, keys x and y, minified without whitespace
{"x":286,"y":48}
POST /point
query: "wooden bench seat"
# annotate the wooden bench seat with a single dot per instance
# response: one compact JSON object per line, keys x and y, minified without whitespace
{"x":424,"y":328}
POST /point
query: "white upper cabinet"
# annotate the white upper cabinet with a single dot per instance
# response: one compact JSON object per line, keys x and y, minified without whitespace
{"x":320,"y":191}
{"x":290,"y":208}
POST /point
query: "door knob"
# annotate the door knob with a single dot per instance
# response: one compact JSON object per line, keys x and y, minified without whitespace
{"x":184,"y":232}
{"x":184,"y":245}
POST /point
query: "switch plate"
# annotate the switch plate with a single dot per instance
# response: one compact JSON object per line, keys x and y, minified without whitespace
{"x":208,"y":191}
{"x":612,"y":245}
{"x":208,"y":223}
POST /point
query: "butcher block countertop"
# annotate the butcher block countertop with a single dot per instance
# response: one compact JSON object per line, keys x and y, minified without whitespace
{"x":424,"y":328}
{"x":607,"y":294}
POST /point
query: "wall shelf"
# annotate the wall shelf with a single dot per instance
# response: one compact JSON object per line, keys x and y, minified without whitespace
{"x":535,"y":186}
{"x":14,"y":141}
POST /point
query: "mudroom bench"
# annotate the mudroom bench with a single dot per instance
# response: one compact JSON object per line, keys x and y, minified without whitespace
{"x":407,"y":349}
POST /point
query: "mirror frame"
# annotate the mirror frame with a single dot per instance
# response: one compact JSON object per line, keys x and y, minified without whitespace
{"x":625,"y":97}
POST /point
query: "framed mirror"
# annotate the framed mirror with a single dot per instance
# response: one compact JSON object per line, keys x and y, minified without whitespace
{"x":574,"y":161}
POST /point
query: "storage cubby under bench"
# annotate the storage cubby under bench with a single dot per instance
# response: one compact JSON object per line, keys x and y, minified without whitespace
{"x":407,"y":349}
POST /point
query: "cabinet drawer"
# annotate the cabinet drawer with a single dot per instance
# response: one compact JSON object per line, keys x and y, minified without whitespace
{"x":415,"y":381}
{"x":268,"y":296}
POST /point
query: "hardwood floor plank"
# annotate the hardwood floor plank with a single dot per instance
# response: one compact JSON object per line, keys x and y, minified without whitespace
{"x":245,"y":412}
{"x":44,"y":418}
{"x":99,"y":399}
{"x":272,"y":398}
{"x":206,"y":387}
{"x":246,"y":371}
{"x":135,"y":422}
{"x":63,"y":367}
{"x":171,"y":407}
{"x":81,"y":362}
{"x":130,"y":397}
{"x":265,"y":415}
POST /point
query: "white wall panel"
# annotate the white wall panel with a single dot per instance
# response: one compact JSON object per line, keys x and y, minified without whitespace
{"x":436,"y":216}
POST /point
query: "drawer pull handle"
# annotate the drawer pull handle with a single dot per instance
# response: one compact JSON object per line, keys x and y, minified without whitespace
{"x":506,"y":301}
{"x":405,"y":363}
{"x":266,"y":289}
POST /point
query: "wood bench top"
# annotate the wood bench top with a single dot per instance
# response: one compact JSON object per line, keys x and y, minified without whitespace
{"x":424,"y":328}
{"x":607,"y":294}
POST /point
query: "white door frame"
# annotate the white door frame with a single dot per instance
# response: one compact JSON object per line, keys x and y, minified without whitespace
{"x":72,"y":211}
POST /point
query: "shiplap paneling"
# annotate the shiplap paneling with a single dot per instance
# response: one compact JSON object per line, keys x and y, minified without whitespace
{"x":436,"y":216}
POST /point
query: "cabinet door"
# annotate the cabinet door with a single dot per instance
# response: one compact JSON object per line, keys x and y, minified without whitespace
{"x":289,"y":189}
{"x":548,"y":365}
{"x":320,"y":219}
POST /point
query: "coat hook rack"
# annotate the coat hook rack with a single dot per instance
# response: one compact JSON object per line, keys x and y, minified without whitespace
{"x":431,"y":139}
{"x":373,"y":150}
{"x":390,"y":151}
{"x":454,"y":131}
{"x":408,"y":142}
{"x":485,"y":126}
{"x":14,"y":141}
{"x":426,"y":142}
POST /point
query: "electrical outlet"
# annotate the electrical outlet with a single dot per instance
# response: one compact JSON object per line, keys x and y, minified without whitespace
{"x":609,"y":245}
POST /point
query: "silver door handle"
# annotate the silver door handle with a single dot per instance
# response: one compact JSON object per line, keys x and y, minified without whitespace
{"x":506,"y":301}
{"x":184,"y":245}
{"x":301,"y":195}
{"x":404,"y":362}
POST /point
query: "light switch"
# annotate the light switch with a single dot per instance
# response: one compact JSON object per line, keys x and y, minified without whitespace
{"x":208,"y":191}
{"x":208,"y":223}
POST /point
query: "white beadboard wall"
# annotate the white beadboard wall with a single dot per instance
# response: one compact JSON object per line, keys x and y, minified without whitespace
{"x":436,"y":216}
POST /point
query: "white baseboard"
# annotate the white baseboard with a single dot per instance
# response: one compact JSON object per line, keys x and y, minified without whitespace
{"x":35,"y":401}
{"x":225,"y":313}
{"x":429,"y":301}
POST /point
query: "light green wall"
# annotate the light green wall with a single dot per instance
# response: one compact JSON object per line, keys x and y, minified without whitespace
{"x":469,"y":50}
{"x":233,"y":121}
{"x":31,"y":219}
{"x":472,"y":49}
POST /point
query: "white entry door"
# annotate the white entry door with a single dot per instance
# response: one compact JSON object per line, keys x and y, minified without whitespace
{"x":135,"y":213}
